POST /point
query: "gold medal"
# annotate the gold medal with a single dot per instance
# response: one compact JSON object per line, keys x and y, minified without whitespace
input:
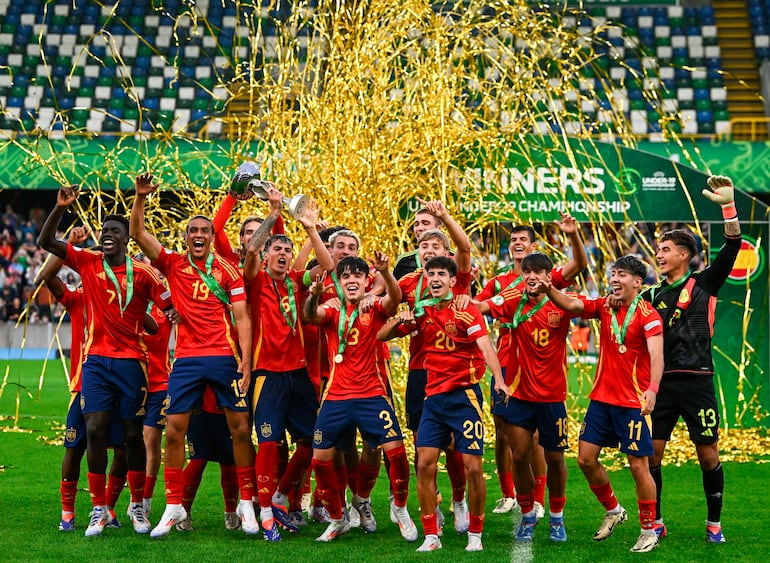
{"x":338,"y":359}
{"x":622,"y":348}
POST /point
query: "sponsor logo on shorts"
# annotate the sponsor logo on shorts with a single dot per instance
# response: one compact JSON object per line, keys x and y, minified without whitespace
{"x":318,"y":437}
{"x":71,"y":434}
{"x":633,"y":447}
{"x":474,"y":446}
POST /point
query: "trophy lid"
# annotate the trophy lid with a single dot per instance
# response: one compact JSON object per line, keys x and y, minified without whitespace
{"x":246,"y":172}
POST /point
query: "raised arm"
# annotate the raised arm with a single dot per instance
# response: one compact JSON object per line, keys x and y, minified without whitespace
{"x":311,"y":311}
{"x":52,"y":266}
{"x":47,"y":239}
{"x":392,"y":290}
{"x":456,"y":233}
{"x":579,"y":261}
{"x":253,"y":262}
{"x":145,"y":185}
{"x":309,"y":220}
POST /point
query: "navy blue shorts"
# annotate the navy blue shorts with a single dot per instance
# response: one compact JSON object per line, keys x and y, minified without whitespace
{"x":189,"y":377}
{"x":208,"y":437}
{"x":75,"y":434}
{"x":415,"y":397}
{"x":110,"y":383}
{"x":156,"y":406}
{"x":284,"y":401}
{"x":497,"y":404}
{"x":374,"y":417}
{"x":609,"y":426}
{"x":454,"y":415}
{"x":549,"y":418}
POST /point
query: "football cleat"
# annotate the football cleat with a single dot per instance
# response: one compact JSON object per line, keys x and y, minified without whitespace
{"x":405,"y":523}
{"x":138,"y":517}
{"x":319,"y":514}
{"x":282,"y":517}
{"x":297,"y":518}
{"x":558,"y":532}
{"x":393,"y":517}
{"x":660,"y":530}
{"x":526,"y":530}
{"x":474,"y":542}
{"x":186,"y":525}
{"x":364,"y":509}
{"x":462,"y":517}
{"x":610,"y":522}
{"x":334,"y":530}
{"x":353,"y":517}
{"x":147,"y":503}
{"x":714,"y":534}
{"x":172,"y":515}
{"x":431,"y":543}
{"x":505,"y":505}
{"x":539,"y":510}
{"x":67,"y":522}
{"x":112,"y":520}
{"x":270,"y":531}
{"x":648,"y":540}
{"x":249,"y":523}
{"x":232,"y":521}
{"x":440,"y":519}
{"x":99,"y":518}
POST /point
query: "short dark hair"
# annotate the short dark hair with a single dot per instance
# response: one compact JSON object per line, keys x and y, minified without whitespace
{"x":326,"y":233}
{"x":352,"y":265}
{"x":536,"y":262}
{"x":117,"y":218}
{"x":194,"y":217}
{"x":442,"y":263}
{"x":632,"y":265}
{"x":248,"y":220}
{"x":525,"y":228}
{"x":278,"y":238}
{"x":680,"y":237}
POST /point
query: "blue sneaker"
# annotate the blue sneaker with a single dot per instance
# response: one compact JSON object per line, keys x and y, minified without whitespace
{"x":67,"y":525}
{"x":714,"y":534}
{"x":660,"y":530}
{"x":526,"y":530}
{"x":282,"y":517}
{"x":112,"y":520}
{"x":558,"y":531}
{"x":271,"y":534}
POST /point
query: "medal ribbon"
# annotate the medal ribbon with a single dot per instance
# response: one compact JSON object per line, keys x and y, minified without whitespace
{"x":419,"y":302}
{"x":129,"y":282}
{"x":499,"y":289}
{"x":212,"y":283}
{"x":338,"y":287}
{"x":291,"y":316}
{"x":518,"y":318}
{"x":343,"y":327}
{"x":620,"y":332}
{"x":674,"y":285}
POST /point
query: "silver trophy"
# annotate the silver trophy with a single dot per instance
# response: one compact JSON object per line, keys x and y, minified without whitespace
{"x":295,"y":205}
{"x":247,"y":183}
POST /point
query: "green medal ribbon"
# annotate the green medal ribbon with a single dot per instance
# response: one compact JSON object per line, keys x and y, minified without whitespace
{"x":419,"y":302}
{"x":212,"y":283}
{"x":499,"y":289}
{"x":129,"y":282}
{"x":338,"y":287}
{"x":618,"y":331}
{"x":674,"y":285}
{"x":432,"y":301}
{"x":291,"y":316}
{"x":343,"y":328}
{"x":518,"y":318}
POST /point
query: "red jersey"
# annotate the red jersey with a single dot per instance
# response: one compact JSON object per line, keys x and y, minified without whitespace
{"x":410,"y":284}
{"x":538,"y":351}
{"x":75,"y":304}
{"x":158,"y":358}
{"x":363,"y":371}
{"x":206,"y":328}
{"x":278,"y":343}
{"x":452,"y":358}
{"x":111,"y":332}
{"x":495,"y":286}
{"x":622,"y":378}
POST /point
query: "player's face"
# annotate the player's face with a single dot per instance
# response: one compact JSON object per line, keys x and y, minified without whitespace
{"x":625,"y":285}
{"x":430,"y":249}
{"x":520,"y":245}
{"x":343,"y":246}
{"x":198,"y":238}
{"x":278,"y":257}
{"x":248,"y":230}
{"x":353,"y":285}
{"x":424,"y":222}
{"x":532,"y":279}
{"x":114,"y":238}
{"x":671,"y":257}
{"x":440,"y":282}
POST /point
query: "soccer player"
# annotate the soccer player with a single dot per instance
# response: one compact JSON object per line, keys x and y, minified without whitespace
{"x":686,"y":302}
{"x":523,"y":242}
{"x":213,"y":347}
{"x":457,"y":347}
{"x":117,"y":290}
{"x":75,"y":434}
{"x":284,"y":397}
{"x":357,"y":393}
{"x":538,"y":346}
{"x":630,"y":360}
{"x":408,"y":262}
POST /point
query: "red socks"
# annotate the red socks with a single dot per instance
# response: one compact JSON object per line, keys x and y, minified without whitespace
{"x":327,"y":487}
{"x":399,"y":475}
{"x":606,"y":496}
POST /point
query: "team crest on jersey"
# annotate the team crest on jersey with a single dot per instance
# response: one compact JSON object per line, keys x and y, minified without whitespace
{"x":450,"y":328}
{"x":318,"y":437}
{"x":217,"y":275}
{"x":266,"y":429}
{"x":365,"y":319}
{"x":554,"y":318}
{"x":71,"y":434}
{"x":684,"y":297}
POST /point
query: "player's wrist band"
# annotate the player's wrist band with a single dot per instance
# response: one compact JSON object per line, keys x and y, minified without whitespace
{"x":729,"y":212}
{"x":653,"y":387}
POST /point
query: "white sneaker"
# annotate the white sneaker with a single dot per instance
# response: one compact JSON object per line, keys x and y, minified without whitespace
{"x":462,"y":517}
{"x":431,"y":543}
{"x":138,"y":517}
{"x":405,"y":523}
{"x":147,"y":503}
{"x":647,"y":542}
{"x":249,"y":523}
{"x":318,"y":514}
{"x":539,"y":510}
{"x":364,"y":508}
{"x":173,"y":514}
{"x":440,"y":521}
{"x":393,"y":517}
{"x":474,"y":543}
{"x":334,"y":530}
{"x":232,"y":521}
{"x":354,"y":519}
{"x":610,"y":522}
{"x":98,"y":521}
{"x":504,"y":505}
